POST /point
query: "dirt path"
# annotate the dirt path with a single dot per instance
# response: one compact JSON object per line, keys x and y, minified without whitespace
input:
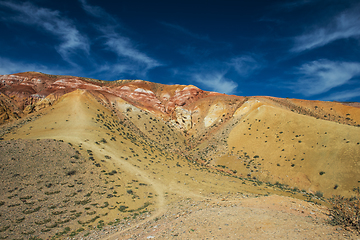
{"x":127,"y":167}
{"x":235,"y":217}
{"x":77,"y":136}
{"x":190,"y":214}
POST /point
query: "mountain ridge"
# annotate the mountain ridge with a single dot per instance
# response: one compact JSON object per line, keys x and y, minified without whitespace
{"x":176,"y":140}
{"x":29,"y":87}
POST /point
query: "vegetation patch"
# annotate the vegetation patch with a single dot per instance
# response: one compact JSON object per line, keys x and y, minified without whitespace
{"x":345,"y":212}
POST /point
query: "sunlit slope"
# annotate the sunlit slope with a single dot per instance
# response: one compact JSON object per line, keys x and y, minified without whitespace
{"x":331,"y":111}
{"x":78,"y":118}
{"x":75,"y":118}
{"x":118,"y":189}
{"x":151,"y":126}
{"x":253,"y":139}
{"x":273,"y":144}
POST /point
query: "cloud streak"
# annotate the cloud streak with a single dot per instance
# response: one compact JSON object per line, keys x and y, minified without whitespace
{"x":186,"y":31}
{"x":245,"y":65}
{"x":130,"y":59}
{"x":95,"y":11}
{"x":291,"y":5}
{"x":345,"y":25}
{"x":51,"y":22}
{"x":344,"y":95}
{"x":218,"y":76}
{"x":123,"y":47}
{"x":320,"y":76}
{"x":215,"y":81}
{"x":8,"y":66}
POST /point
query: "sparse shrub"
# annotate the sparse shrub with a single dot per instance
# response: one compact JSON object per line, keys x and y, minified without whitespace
{"x":122,"y":208}
{"x":319,"y":194}
{"x":58,"y":212}
{"x":71,"y":172}
{"x":28,"y":211}
{"x":345,"y":212}
{"x":321,"y":173}
{"x":25,"y":198}
{"x":51,"y":193}
{"x":43,"y":221}
{"x":19,"y":220}
{"x":83,"y":202}
{"x":35,"y":238}
{"x":4,"y":228}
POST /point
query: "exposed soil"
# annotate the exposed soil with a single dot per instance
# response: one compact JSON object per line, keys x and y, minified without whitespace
{"x":49,"y":189}
{"x":121,"y":172}
{"x":233,"y":216}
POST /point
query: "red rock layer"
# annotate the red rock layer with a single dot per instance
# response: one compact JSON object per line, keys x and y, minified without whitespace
{"x":29,"y":88}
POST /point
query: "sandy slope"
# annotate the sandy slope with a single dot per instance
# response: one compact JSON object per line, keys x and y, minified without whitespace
{"x":233,"y":216}
{"x":188,"y":201}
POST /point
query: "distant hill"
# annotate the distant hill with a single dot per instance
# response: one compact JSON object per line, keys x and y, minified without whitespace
{"x":144,"y":144}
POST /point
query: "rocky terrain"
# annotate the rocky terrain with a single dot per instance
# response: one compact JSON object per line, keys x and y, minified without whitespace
{"x":86,"y":158}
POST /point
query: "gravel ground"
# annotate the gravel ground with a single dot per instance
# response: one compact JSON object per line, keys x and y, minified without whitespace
{"x":235,"y":216}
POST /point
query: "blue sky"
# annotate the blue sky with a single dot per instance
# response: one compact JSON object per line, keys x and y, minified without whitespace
{"x":308,"y":49}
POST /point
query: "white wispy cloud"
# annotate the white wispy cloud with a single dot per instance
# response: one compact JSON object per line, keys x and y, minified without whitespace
{"x":320,"y":76}
{"x":95,"y":11}
{"x":51,"y":22}
{"x":215,"y":81}
{"x":130,"y":59}
{"x":210,"y":76}
{"x":291,"y":5}
{"x":8,"y":66}
{"x":343,"y":95}
{"x":345,"y":25}
{"x":123,"y":46}
{"x":245,"y":65}
{"x":218,"y":75}
{"x":186,"y":31}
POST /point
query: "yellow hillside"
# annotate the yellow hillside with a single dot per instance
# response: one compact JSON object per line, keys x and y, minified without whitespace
{"x":112,"y":153}
{"x":274,"y":144}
